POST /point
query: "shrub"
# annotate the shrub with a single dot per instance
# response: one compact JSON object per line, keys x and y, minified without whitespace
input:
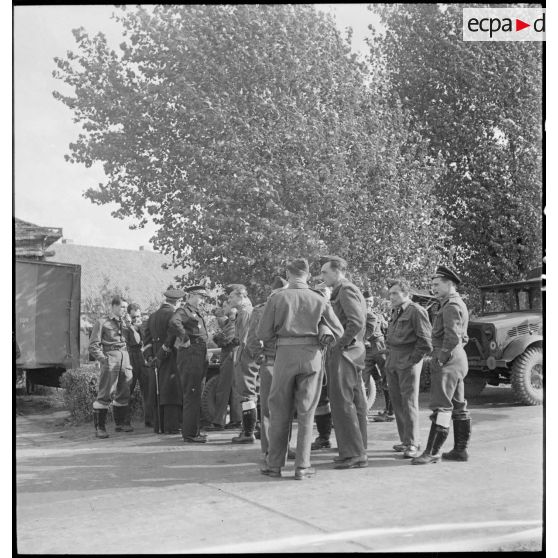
{"x":80,"y":391}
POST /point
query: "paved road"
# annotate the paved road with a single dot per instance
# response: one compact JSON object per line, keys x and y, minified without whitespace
{"x":138,"y":493}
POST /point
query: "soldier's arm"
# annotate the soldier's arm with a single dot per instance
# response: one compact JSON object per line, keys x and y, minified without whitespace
{"x":95,"y":347}
{"x":265,"y":329}
{"x":331,"y":320}
{"x":452,"y":325}
{"x":176,"y":329}
{"x":356,"y":317}
{"x":253,"y":344}
{"x":423,"y":331}
{"x":147,"y":342}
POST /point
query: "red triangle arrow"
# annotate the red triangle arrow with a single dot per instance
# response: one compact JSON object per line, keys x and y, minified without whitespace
{"x":519,"y":25}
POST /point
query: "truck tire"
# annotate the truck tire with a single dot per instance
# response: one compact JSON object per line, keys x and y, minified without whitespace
{"x":474,"y":385}
{"x":209,"y":396}
{"x":527,"y":377}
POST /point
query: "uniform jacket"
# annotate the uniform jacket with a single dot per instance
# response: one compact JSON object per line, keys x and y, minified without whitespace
{"x":450,"y":326}
{"x":133,"y":337}
{"x":296,"y":311}
{"x":254,"y":346}
{"x":350,"y":307}
{"x":187,"y":325}
{"x":409,"y":330}
{"x":242,"y":323}
{"x":108,"y":331}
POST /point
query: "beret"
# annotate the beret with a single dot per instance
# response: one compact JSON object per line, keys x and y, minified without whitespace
{"x":445,"y":272}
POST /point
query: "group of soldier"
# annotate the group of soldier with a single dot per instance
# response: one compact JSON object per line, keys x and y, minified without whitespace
{"x":310,"y":351}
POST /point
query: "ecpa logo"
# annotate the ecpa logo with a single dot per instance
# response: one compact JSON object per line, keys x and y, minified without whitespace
{"x":504,"y":24}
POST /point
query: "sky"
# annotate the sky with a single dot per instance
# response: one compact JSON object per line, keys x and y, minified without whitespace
{"x":49,"y":190}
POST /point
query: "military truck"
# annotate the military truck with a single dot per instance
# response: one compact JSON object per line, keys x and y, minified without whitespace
{"x":47,"y":319}
{"x":506,"y":341}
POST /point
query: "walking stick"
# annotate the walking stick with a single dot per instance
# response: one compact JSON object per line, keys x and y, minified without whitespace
{"x":160,"y":426}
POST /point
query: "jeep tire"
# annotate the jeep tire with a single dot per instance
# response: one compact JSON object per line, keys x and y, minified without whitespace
{"x":209,"y":396}
{"x":527,"y":376}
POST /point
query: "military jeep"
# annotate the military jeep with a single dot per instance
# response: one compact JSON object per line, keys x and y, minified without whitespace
{"x":506,"y":341}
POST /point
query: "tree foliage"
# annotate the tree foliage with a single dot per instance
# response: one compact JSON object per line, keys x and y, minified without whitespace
{"x":479,"y":105}
{"x":250,"y":135}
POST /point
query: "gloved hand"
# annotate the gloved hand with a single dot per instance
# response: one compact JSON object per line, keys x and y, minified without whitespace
{"x":327,"y":340}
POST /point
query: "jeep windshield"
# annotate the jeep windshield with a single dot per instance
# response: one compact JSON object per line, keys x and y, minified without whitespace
{"x":512,"y":297}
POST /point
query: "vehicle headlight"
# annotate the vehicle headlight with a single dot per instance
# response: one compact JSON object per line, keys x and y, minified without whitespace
{"x":492,"y":345}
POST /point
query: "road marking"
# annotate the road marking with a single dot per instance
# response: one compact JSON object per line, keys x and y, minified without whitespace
{"x":274,"y":545}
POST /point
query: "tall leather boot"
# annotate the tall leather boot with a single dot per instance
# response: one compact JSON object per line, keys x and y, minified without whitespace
{"x":461,"y":437}
{"x":127,"y":416}
{"x":118,"y":415}
{"x":99,"y":420}
{"x":436,"y":438}
{"x":249,"y":418}
{"x":323,"y":424}
{"x":387,"y":399}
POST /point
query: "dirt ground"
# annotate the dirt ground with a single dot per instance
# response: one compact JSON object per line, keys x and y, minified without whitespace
{"x":146,"y":493}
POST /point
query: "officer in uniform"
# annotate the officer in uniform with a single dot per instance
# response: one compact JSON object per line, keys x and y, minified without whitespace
{"x":345,"y":363}
{"x":263,"y":354}
{"x":187,"y":327}
{"x":170,"y":396}
{"x":245,"y":369}
{"x":408,"y":341}
{"x":108,"y":346}
{"x":298,"y":320}
{"x":448,"y":368}
{"x":375,"y":360}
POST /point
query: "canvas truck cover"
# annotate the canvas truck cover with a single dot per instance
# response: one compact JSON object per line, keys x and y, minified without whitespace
{"x":47,"y":314}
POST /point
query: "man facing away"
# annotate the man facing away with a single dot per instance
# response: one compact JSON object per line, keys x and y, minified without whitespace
{"x":164,"y":359}
{"x":108,"y":346}
{"x":345,"y":362}
{"x":408,"y":341}
{"x":448,"y":368}
{"x":299,"y":320}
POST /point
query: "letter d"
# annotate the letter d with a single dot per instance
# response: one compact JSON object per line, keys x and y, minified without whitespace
{"x":536,"y":24}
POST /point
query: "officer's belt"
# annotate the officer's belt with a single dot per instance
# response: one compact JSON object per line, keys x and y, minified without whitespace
{"x":461,"y":343}
{"x":198,"y":341}
{"x":114,"y":347}
{"x":297,"y":341}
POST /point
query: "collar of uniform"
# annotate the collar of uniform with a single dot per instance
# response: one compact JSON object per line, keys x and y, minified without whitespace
{"x":114,"y":317}
{"x":447,"y":298}
{"x":298,"y":284}
{"x":335,"y":290}
{"x":405,"y":305}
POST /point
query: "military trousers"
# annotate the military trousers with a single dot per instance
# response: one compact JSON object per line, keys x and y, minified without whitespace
{"x":447,"y":390}
{"x":403,"y":378}
{"x":225,"y":395}
{"x":375,"y":368}
{"x":192,"y":368}
{"x":140,"y":373}
{"x":266,"y":378}
{"x":296,"y":384}
{"x":348,"y":401}
{"x":245,"y":382}
{"x":114,"y":380}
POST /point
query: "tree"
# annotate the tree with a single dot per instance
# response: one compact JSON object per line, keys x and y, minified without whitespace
{"x":250,"y":135}
{"x":479,"y":105}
